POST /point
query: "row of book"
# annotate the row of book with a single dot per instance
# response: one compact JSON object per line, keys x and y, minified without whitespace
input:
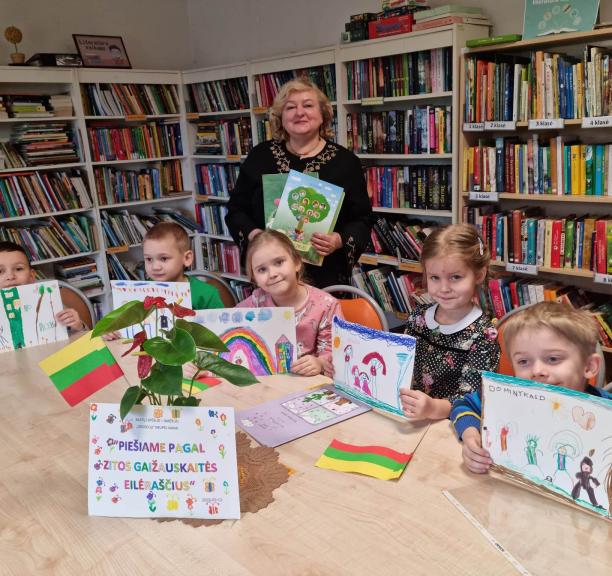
{"x":151,"y":140}
{"x":242,"y":290}
{"x":424,"y":72}
{"x":82,"y":273}
{"x":216,"y":179}
{"x":53,"y":237}
{"x":220,"y":95}
{"x":524,"y":236}
{"x":394,"y":292}
{"x":212,"y":219}
{"x":422,"y":187}
{"x":35,"y":105}
{"x":31,"y":193}
{"x":102,"y":99}
{"x":220,"y":256}
{"x":268,"y":85}
{"x":447,"y":15}
{"x":44,"y":143}
{"x":116,"y":185}
{"x":10,"y":157}
{"x":224,"y":137}
{"x":118,"y":270}
{"x":398,"y":238}
{"x":417,"y":130}
{"x":264,"y":129}
{"x":535,"y":167}
{"x":543,"y":85}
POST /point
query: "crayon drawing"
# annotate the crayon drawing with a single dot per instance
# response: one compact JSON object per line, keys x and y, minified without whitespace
{"x":174,"y":292}
{"x":556,"y":440}
{"x":261,"y":339}
{"x":27,"y":316}
{"x":372,"y":365}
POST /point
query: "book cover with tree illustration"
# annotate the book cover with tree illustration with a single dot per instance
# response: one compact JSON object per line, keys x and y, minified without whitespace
{"x":273,"y":186}
{"x":307,"y":205}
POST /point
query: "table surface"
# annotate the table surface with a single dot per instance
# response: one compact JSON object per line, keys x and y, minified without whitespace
{"x":321,"y":522}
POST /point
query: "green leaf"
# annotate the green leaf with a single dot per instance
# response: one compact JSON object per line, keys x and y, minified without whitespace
{"x":130,"y":313}
{"x":203,"y":337}
{"x":175,"y":352}
{"x":187,"y":401}
{"x":238,"y":375}
{"x":131,"y":396}
{"x":165,"y":380}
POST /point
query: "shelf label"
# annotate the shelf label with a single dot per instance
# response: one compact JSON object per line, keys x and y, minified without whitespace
{"x":497,"y":125}
{"x":473,"y":126}
{"x":551,"y":123}
{"x":260,"y":110}
{"x":136,"y":117}
{"x":531,"y":269}
{"x":233,"y":158}
{"x":603,"y":279}
{"x":374,"y":101}
{"x":484,"y":196}
{"x":597,"y":122}
{"x":192,"y":116}
{"x":367,"y":259}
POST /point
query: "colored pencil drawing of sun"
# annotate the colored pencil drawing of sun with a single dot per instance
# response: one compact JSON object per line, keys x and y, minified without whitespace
{"x":336,"y":341}
{"x":556,"y":405}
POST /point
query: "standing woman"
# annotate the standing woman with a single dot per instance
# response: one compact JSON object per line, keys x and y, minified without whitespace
{"x":300,"y":119}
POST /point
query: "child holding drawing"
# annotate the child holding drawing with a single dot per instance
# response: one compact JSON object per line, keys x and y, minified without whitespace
{"x":275,"y":266}
{"x":455,"y":339}
{"x":15,"y":270}
{"x":548,"y":342}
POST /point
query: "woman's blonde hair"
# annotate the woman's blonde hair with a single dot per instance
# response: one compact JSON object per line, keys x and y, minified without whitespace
{"x":301,"y":84}
{"x":266,"y":237}
{"x":462,"y":240}
{"x":576,"y":326}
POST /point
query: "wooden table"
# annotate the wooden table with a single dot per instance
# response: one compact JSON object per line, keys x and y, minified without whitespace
{"x":321,"y":522}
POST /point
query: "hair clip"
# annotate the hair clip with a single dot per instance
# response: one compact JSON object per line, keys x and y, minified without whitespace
{"x":480,"y":247}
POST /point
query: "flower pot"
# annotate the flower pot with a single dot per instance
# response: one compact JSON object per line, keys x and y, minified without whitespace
{"x":17,"y":57}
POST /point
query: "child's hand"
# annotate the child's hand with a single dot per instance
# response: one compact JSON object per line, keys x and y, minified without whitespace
{"x":111,"y":336}
{"x":70,"y":318}
{"x":308,"y":365}
{"x":416,"y":404}
{"x":475,"y":457}
{"x":328,"y":366}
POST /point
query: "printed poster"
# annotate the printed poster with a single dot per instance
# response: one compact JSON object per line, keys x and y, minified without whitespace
{"x":544,"y":17}
{"x":555,"y":439}
{"x":372,"y":365}
{"x":174,"y":292}
{"x":260,"y":339}
{"x":307,"y":205}
{"x":163,"y":461}
{"x":284,"y":419}
{"x":27,"y":316}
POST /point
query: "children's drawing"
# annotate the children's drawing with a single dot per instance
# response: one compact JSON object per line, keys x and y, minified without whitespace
{"x":556,"y":440}
{"x":372,"y":365}
{"x":307,"y":205}
{"x":27,"y":316}
{"x":174,"y":292}
{"x":261,"y":339}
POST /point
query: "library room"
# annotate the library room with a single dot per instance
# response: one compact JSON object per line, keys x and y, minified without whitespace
{"x":278,"y":274}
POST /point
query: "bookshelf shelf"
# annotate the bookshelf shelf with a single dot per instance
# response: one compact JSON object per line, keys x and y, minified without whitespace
{"x":136,"y":160}
{"x":552,"y":198}
{"x":42,"y":168}
{"x":410,"y":157}
{"x":133,"y":117}
{"x":399,"y":99}
{"x":572,"y":272}
{"x":185,"y":196}
{"x":207,"y":198}
{"x":62,"y":258}
{"x":195,"y":115}
{"x":218,"y":157}
{"x":376,"y":259}
{"x":414,"y":212}
{"x":36,"y":120}
{"x":45,"y":215}
{"x":218,"y":237}
{"x":237,"y":277}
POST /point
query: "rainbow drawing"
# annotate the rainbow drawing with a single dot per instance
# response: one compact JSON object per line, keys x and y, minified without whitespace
{"x":248,"y":349}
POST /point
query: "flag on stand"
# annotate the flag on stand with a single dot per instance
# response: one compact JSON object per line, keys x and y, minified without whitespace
{"x":377,"y":461}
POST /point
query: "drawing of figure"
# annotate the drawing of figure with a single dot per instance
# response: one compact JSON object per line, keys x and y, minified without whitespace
{"x":487,"y":437}
{"x":503,"y":437}
{"x":531,"y":452}
{"x":561,"y":457}
{"x":584,"y":481}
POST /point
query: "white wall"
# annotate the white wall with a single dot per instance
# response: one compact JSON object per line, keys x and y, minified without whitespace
{"x":224,"y":31}
{"x":153,"y":31}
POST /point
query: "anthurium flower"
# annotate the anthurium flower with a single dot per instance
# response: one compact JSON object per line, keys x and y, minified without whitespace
{"x":157,"y":301}
{"x":180,"y":311}
{"x":137,"y":342}
{"x":144,"y":365}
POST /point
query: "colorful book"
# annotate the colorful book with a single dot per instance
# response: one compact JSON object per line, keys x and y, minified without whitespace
{"x":307,"y":205}
{"x":273,"y":186}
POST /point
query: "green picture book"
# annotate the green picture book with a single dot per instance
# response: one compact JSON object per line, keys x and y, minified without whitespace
{"x":273,"y":186}
{"x":307,"y":205}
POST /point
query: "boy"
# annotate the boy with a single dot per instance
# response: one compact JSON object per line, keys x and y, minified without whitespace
{"x":548,"y":342}
{"x":166,"y":254}
{"x":15,"y":270}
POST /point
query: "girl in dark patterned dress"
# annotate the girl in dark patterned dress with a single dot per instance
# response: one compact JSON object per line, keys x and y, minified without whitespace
{"x":455,"y":339}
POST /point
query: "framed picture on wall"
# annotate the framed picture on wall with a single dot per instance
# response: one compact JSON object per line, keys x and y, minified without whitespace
{"x":102,"y":51}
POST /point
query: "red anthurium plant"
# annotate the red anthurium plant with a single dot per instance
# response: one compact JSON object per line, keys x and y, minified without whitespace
{"x":161,"y":358}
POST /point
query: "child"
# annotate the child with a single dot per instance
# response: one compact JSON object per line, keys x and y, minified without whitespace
{"x":275,"y":266}
{"x":455,"y":340}
{"x":548,"y":342}
{"x":15,"y":270}
{"x":167,"y":254}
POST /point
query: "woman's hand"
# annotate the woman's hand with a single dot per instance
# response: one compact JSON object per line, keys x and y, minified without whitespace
{"x":325,"y":244}
{"x":70,"y":318}
{"x":475,"y":457}
{"x":111,"y":336}
{"x":307,"y":365}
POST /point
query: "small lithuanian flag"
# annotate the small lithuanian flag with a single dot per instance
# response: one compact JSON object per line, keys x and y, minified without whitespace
{"x":81,"y":368}
{"x":376,"y":461}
